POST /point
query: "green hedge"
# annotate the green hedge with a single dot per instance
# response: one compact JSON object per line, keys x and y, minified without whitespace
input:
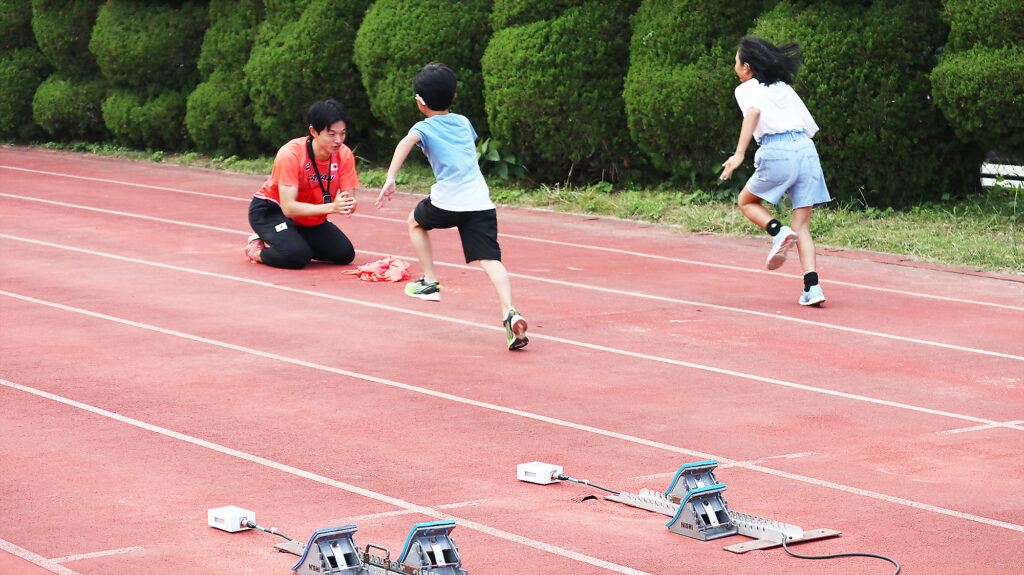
{"x":554,"y":92}
{"x":149,"y":44}
{"x":518,"y":12}
{"x":219,"y":114}
{"x":15,"y":26}
{"x":296,"y":62}
{"x":865,"y":81}
{"x":397,"y":35}
{"x":21,"y":72}
{"x":981,"y":92}
{"x":146,"y":119}
{"x":70,"y":108}
{"x":63,"y":29}
{"x":679,"y":89}
{"x":992,"y":23}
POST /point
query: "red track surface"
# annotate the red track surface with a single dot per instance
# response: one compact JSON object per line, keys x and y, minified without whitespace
{"x":149,"y":372}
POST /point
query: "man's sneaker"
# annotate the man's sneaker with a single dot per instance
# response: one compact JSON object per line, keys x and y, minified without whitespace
{"x":812,"y":296}
{"x":254,"y":247}
{"x":430,"y":291}
{"x":515,"y":330}
{"x":780,"y":245}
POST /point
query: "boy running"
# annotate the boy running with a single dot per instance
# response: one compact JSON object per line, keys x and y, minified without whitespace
{"x":459,"y":199}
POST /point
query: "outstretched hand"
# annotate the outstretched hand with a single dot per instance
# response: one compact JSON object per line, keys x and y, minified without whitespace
{"x":728,"y":166}
{"x":386,"y":192}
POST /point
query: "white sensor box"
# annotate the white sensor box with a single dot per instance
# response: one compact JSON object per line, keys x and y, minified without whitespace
{"x":231,"y":519}
{"x":537,"y":472}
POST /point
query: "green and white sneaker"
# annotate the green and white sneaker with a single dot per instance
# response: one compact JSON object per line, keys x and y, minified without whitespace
{"x":515,"y":330}
{"x":430,"y":291}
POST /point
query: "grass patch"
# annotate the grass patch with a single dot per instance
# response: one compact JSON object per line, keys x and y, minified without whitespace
{"x":982,"y":232}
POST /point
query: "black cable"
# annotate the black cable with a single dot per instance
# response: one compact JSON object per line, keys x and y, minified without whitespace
{"x":272,"y":530}
{"x":872,"y":555}
{"x":585,"y":482}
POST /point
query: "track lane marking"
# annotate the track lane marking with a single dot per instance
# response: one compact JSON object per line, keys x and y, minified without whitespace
{"x":612,"y":291}
{"x":37,"y":560}
{"x":559,"y":243}
{"x":324,"y":480}
{"x":510,"y":411}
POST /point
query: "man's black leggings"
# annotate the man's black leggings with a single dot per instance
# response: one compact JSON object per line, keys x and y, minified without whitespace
{"x":292,"y":246}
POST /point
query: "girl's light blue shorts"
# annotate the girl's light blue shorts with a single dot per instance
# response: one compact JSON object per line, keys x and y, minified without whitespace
{"x":788,"y":162}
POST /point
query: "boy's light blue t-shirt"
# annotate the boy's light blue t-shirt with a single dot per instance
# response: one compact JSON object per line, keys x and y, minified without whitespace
{"x":449,"y":142}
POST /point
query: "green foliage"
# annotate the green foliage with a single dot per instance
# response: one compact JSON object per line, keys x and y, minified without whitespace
{"x":15,"y":26}
{"x":865,"y":81}
{"x":69,"y":107}
{"x":149,"y":44}
{"x":219,"y":116}
{"x":62,"y":29}
{"x":991,"y":23}
{"x":300,"y":61}
{"x":502,"y":164}
{"x":545,"y":98}
{"x":228,"y":41}
{"x":981,"y":93}
{"x":145,"y":120}
{"x":20,"y":74}
{"x":679,"y":89}
{"x":518,"y":12}
{"x":397,"y":35}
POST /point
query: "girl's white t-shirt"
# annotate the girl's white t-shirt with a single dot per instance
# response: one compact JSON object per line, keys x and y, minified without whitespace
{"x":781,"y":108}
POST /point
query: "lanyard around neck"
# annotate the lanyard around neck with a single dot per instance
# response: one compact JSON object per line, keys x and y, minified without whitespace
{"x":312,"y":159}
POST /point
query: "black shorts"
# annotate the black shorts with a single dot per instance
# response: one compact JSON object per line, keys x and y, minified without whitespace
{"x":478,"y":230}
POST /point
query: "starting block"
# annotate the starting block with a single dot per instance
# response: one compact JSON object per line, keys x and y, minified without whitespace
{"x":694,"y":501}
{"x":429,"y":550}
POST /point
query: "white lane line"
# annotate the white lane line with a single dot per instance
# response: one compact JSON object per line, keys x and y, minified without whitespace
{"x":396,"y":502}
{"x":96,"y":554}
{"x":389,"y":514}
{"x":535,"y":335}
{"x":561,"y":283}
{"x":560,"y":243}
{"x":497,"y":408}
{"x":977,"y":428}
{"x":31,"y":557}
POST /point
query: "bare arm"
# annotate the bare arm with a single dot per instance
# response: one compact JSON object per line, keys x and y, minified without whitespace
{"x":401,"y":153}
{"x":746,"y":133}
{"x":344,"y":203}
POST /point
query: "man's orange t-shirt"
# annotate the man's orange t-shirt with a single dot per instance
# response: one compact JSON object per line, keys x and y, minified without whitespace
{"x":292,"y":167}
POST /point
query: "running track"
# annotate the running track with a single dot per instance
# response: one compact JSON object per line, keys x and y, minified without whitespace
{"x":149,"y":372}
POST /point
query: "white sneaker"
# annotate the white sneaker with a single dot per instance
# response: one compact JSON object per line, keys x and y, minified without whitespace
{"x":781,"y":243}
{"x":812,"y":296}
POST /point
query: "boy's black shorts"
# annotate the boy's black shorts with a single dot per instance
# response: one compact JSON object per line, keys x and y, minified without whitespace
{"x":478,"y":230}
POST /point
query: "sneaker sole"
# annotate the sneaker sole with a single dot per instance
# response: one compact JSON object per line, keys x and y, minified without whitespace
{"x":436,"y":296}
{"x":775,"y":261}
{"x":814,"y":302}
{"x":519,"y":340}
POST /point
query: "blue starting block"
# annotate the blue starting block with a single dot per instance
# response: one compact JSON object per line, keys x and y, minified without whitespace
{"x":331,"y":552}
{"x":431,"y":550}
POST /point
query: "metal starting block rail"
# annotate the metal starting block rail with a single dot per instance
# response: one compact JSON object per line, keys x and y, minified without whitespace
{"x":695,"y":503}
{"x":429,"y":550}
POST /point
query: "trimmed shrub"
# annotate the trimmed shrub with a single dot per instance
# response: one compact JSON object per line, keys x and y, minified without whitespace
{"x":62,"y":29}
{"x":397,"y":35}
{"x":297,"y":62}
{"x":16,"y":26}
{"x":146,"y":120}
{"x":545,"y":100}
{"x":69,"y":107}
{"x":219,"y":116}
{"x":981,"y":93}
{"x":228,"y":41}
{"x":149,"y":44}
{"x":21,"y":72}
{"x":865,"y":80}
{"x":679,"y":89}
{"x":992,"y":23}
{"x":518,"y":12}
